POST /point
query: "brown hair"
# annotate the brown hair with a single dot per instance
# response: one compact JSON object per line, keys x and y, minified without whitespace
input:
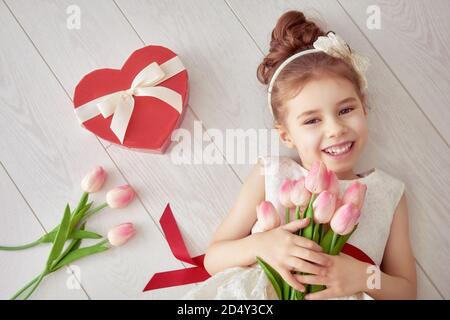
{"x":294,"y":33}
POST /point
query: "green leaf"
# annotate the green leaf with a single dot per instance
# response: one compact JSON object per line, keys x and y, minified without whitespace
{"x":77,"y":242}
{"x":82,"y":202}
{"x":61,"y":237}
{"x":84,"y":234}
{"x":326,"y":240}
{"x":288,"y":214}
{"x":80,"y":253}
{"x":316,"y":288}
{"x":316,"y":233}
{"x":286,"y":290}
{"x":340,"y":243}
{"x":297,"y":212}
{"x":77,"y":234}
{"x":73,"y":245}
{"x":308,"y":231}
{"x":49,"y":237}
{"x":273,"y":276}
{"x":299,"y":295}
{"x":79,"y":215}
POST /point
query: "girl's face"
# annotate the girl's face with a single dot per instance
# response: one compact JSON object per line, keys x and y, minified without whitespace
{"x":326,"y":112}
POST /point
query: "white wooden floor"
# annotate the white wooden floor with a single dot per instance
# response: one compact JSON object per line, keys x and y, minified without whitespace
{"x":44,"y":153}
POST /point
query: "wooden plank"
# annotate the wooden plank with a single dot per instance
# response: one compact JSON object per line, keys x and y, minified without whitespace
{"x":417,"y":51}
{"x":75,"y":52}
{"x":200,"y":194}
{"x":224,"y":181}
{"x":417,"y":157}
{"x":425,"y":288}
{"x":46,"y":155}
{"x":221,"y":59}
{"x":19,"y":226}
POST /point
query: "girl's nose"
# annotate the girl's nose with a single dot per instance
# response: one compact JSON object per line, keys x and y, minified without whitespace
{"x":335,"y":129}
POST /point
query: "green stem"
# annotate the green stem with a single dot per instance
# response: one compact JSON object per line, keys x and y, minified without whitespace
{"x":333,"y":242}
{"x":90,"y":213}
{"x":102,"y":242}
{"x":42,"y":275}
{"x":18,"y":293}
{"x":297,"y":212}
{"x":308,"y":231}
{"x":39,"y":241}
{"x":288,"y":213}
{"x":22,"y":247}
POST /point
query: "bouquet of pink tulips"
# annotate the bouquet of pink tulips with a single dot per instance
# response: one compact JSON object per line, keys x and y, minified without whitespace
{"x":332,"y":219}
{"x":73,"y":228}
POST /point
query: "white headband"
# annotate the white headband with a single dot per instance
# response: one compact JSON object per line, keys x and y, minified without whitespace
{"x":332,"y":45}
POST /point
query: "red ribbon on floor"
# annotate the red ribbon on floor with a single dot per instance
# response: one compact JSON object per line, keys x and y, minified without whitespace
{"x":179,"y":250}
{"x":199,"y":273}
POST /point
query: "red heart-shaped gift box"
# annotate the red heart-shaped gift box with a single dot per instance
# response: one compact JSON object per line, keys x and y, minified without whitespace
{"x":152,"y":120}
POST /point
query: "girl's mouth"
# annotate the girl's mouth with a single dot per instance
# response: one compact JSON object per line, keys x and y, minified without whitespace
{"x":341,"y":152}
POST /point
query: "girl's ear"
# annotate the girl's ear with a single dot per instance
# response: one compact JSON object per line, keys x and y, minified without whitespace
{"x":284,"y":136}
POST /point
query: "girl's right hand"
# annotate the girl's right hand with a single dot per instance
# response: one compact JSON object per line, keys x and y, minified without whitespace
{"x":286,"y":252}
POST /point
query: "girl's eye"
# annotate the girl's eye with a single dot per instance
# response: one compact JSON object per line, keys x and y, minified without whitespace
{"x":350,"y":108}
{"x":341,"y":112}
{"x":310,"y":121}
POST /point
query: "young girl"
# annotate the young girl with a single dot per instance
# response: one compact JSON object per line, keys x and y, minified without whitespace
{"x":317,"y":97}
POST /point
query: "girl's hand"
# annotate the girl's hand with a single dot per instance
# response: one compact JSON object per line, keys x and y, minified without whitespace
{"x":346,"y":276}
{"x":287,"y":252}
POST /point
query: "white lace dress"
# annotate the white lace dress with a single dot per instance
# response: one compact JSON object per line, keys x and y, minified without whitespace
{"x":382,"y":196}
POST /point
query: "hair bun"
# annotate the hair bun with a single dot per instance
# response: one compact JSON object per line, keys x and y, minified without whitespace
{"x":292,"y":33}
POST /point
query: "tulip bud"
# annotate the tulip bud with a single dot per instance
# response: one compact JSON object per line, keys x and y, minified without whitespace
{"x":300,"y":196}
{"x":324,"y":207}
{"x":355,"y":193}
{"x":120,"y":197}
{"x":345,"y":219}
{"x":333,"y":185}
{"x":285,"y":193}
{"x":94,"y":180}
{"x":268,"y":217}
{"x":317,"y":178}
{"x":120,"y":234}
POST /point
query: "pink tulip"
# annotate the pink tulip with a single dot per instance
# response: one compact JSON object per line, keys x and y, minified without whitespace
{"x":268,"y":217}
{"x":285,"y":193}
{"x":355,"y":193}
{"x":120,"y":197}
{"x":94,"y":180}
{"x":317,"y":178}
{"x":120,"y":234}
{"x":345,"y":219}
{"x":333,"y":185}
{"x":300,"y":196}
{"x":339,"y":202}
{"x":324,"y":207}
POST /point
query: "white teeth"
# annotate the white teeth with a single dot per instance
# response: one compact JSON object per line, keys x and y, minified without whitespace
{"x":338,"y":150}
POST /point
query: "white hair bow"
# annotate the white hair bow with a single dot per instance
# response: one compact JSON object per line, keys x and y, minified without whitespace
{"x":335,"y":46}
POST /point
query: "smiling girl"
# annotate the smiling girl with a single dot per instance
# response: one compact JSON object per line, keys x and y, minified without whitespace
{"x":317,"y":96}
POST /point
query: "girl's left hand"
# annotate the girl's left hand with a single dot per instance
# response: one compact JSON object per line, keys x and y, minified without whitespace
{"x":346,"y":276}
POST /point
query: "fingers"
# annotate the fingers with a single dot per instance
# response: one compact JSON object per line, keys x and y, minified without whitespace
{"x":306,"y":243}
{"x":304,"y":266}
{"x":311,"y":279}
{"x":295,"y":225}
{"x":311,"y":256}
{"x":292,"y":281}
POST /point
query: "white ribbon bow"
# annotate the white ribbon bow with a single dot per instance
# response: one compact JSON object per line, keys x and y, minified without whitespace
{"x":120,"y":104}
{"x":335,"y":46}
